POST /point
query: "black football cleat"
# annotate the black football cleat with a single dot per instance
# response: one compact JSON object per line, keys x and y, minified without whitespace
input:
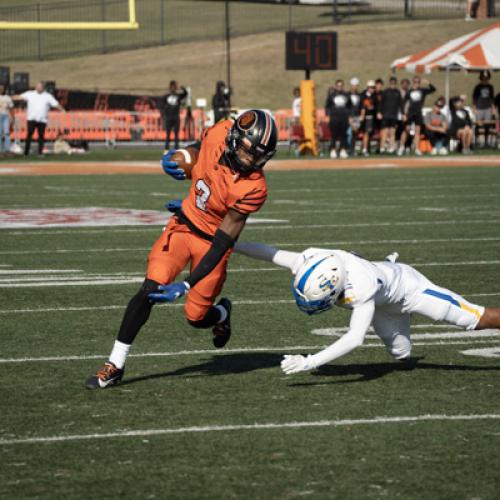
{"x":107,"y":376}
{"x":222,"y":331}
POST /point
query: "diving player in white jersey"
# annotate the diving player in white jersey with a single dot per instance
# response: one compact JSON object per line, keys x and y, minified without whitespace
{"x":381,"y":294}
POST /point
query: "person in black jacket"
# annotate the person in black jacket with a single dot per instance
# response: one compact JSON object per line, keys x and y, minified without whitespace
{"x":391,"y":108}
{"x":413,"y":108}
{"x":171,"y":111}
{"x":338,"y":108}
{"x":461,"y":124}
{"x":368,"y":113}
{"x":221,"y":101}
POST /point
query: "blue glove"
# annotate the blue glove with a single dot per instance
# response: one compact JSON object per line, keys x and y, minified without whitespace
{"x":171,"y":167}
{"x":169,"y":293}
{"x":174,"y":206}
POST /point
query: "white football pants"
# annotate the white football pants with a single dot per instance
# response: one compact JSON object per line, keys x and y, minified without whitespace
{"x":422,"y":296}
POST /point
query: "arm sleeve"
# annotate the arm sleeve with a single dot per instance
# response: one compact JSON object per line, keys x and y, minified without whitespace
{"x":361,"y":320}
{"x":53,"y":101}
{"x":265,"y":252}
{"x":430,"y":89}
{"x":222,"y":242}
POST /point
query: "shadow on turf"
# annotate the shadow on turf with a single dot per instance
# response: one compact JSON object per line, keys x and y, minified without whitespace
{"x":224,"y":364}
{"x":373,"y":371}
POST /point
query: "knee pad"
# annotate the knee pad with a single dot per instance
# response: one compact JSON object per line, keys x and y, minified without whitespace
{"x":400,"y":348}
{"x":148,"y":286}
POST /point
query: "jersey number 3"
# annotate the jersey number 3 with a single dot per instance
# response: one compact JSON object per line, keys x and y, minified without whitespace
{"x":202,"y":194}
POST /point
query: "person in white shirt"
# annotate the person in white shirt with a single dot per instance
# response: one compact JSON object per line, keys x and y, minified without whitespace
{"x":6,"y":115}
{"x":39,"y":102}
{"x":380,"y":294}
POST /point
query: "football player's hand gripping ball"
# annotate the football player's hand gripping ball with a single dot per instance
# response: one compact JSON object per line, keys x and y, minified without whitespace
{"x":169,"y":293}
{"x":296,"y":363}
{"x":174,"y":206}
{"x":171,"y":167}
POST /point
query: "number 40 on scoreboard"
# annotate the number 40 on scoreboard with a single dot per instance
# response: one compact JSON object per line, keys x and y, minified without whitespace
{"x":311,"y":50}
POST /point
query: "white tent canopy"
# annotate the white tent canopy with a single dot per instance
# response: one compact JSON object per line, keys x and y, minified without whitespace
{"x":478,"y":50}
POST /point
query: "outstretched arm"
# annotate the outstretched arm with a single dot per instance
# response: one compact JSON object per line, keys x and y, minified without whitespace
{"x":361,"y":320}
{"x":268,"y":253}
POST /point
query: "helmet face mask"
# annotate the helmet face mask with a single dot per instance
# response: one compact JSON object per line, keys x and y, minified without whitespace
{"x":318,"y":282}
{"x":251,"y":141}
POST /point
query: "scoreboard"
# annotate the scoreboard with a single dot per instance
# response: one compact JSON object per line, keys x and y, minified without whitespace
{"x":311,"y":50}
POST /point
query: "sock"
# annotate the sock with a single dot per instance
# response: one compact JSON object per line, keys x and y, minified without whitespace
{"x":119,"y":354}
{"x":223,"y":313}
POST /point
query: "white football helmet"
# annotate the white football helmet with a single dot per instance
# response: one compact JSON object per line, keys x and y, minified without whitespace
{"x":318,"y":282}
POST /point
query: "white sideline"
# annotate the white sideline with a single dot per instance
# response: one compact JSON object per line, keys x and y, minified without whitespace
{"x":254,"y":426}
{"x":195,"y":352}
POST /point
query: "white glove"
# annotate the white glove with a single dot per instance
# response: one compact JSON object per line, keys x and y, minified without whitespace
{"x":296,"y":363}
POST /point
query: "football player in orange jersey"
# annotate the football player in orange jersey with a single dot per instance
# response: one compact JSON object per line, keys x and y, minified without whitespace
{"x":227,"y":185}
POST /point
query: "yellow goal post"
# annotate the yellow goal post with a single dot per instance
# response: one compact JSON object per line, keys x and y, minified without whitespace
{"x":131,"y":24}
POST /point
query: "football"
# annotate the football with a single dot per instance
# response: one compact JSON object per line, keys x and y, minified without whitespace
{"x":186,"y":159}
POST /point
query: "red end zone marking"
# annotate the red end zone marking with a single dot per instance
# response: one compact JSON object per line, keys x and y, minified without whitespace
{"x":77,"y":217}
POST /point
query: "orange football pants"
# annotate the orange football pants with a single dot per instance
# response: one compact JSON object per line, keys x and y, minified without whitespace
{"x":172,"y":251}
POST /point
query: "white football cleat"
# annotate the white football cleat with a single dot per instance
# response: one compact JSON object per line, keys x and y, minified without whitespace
{"x":333,"y":154}
{"x":343,"y":154}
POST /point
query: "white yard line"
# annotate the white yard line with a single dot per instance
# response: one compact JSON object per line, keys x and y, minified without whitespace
{"x":270,"y":302}
{"x":253,"y":427}
{"x":283,"y":349}
{"x":405,"y":187}
{"x":376,"y":224}
{"x":38,"y":271}
{"x":451,"y":334}
{"x":122,"y":306}
{"x":96,"y":280}
{"x":255,"y":227}
{"x":384,"y":242}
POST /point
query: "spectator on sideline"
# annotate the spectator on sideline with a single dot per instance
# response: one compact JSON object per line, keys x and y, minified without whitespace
{"x":62,"y":146}
{"x":221,"y":101}
{"x":379,"y":88}
{"x":355,"y":120}
{"x":436,"y":128}
{"x":413,"y":109}
{"x":172,"y":102}
{"x":296,"y":106}
{"x":39,"y":103}
{"x":391,"y":106}
{"x":401,"y":134}
{"x":337,"y":107}
{"x":6,"y":119}
{"x":461,"y":124}
{"x":483,"y":103}
{"x":368,"y":113}
{"x":471,"y":9}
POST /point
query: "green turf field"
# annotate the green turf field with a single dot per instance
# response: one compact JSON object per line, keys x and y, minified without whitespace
{"x":189,"y":422}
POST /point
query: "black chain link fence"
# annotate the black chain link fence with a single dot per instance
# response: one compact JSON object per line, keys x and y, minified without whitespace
{"x":170,"y":21}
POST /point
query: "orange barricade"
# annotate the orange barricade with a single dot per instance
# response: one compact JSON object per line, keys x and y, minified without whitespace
{"x":111,"y":126}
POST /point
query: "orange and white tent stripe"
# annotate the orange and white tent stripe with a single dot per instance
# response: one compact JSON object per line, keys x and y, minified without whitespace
{"x":477,"y":50}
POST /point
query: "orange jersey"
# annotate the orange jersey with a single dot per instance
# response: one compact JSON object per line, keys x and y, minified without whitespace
{"x":215,"y":188}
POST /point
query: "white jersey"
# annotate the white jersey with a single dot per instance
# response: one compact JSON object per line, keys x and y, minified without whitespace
{"x":380,"y":294}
